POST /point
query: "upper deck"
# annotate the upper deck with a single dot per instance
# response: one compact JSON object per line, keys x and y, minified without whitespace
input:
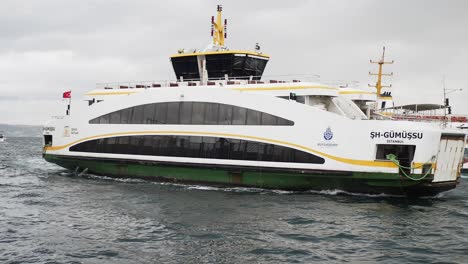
{"x":313,"y":94}
{"x":277,"y":88}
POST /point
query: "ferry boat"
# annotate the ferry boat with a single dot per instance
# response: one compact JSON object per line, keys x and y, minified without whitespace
{"x":221,"y":123}
{"x":465,"y":161}
{"x":465,"y":158}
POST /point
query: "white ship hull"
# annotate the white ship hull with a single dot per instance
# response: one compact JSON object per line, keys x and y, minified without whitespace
{"x":340,"y":152}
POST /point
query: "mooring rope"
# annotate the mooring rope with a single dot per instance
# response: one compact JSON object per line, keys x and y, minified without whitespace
{"x":394,"y":159}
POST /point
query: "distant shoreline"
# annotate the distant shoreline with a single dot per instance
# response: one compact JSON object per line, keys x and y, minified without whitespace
{"x":12,"y":131}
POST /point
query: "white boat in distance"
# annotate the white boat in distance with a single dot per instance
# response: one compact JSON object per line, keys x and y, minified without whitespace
{"x":2,"y":137}
{"x":220,"y":124}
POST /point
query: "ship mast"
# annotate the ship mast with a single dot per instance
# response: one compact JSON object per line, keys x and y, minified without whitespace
{"x":378,"y":85}
{"x":218,"y":30}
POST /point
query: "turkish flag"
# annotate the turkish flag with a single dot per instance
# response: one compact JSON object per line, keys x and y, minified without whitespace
{"x":67,"y":94}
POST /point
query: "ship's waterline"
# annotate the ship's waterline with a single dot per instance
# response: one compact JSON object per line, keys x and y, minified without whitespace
{"x":268,"y":178}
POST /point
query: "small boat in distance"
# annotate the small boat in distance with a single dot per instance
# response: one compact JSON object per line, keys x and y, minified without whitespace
{"x":2,"y":137}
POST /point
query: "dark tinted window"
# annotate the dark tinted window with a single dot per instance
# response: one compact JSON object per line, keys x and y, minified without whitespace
{"x":251,"y":150}
{"x":211,"y":114}
{"x":104,"y":119}
{"x":172,"y":113}
{"x":237,"y":149}
{"x":253,"y":117}
{"x":147,"y":148}
{"x":186,"y":113}
{"x":186,"y":67}
{"x":137,"y":115}
{"x":268,"y":119}
{"x":241,"y":66}
{"x":161,"y":113}
{"x":239,"y":115}
{"x":198,"y":113}
{"x":149,"y":114}
{"x":284,"y":122}
{"x":194,"y":146}
{"x":197,"y":147}
{"x":115,"y":117}
{"x":225,"y":114}
{"x":126,"y":115}
{"x":109,"y":145}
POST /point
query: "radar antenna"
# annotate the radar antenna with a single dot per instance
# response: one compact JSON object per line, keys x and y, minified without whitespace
{"x":378,"y":85}
{"x":218,"y":29}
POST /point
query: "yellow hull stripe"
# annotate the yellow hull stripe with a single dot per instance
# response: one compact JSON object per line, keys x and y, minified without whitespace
{"x":369,"y":163}
{"x":385,"y":98}
{"x":110,"y":93}
{"x":356,"y":92}
{"x":280,"y":88}
{"x":221,"y":52}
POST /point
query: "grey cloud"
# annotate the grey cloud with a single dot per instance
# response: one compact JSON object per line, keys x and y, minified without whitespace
{"x":49,"y":46}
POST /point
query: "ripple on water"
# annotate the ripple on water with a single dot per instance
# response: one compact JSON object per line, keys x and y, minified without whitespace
{"x":300,"y":221}
{"x":301,"y":237}
{"x":89,"y":253}
{"x":278,"y":251}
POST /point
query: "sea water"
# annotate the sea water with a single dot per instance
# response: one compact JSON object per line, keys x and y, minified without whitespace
{"x":49,"y":215}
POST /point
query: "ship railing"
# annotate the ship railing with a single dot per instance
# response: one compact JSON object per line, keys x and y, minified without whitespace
{"x":239,"y":80}
{"x":424,"y":117}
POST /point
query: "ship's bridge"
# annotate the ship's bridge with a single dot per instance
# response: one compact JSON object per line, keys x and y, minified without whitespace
{"x":217,"y":61}
{"x":190,"y":65}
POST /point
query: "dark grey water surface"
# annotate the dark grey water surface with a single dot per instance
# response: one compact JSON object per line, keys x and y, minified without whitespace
{"x":47,"y":215}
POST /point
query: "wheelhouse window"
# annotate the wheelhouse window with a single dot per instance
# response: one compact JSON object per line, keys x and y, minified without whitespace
{"x":197,"y":147}
{"x":186,"y":67}
{"x":240,"y":66}
{"x":191,"y":113}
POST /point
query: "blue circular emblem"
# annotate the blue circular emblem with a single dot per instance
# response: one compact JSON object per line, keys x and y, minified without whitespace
{"x":328,"y":134}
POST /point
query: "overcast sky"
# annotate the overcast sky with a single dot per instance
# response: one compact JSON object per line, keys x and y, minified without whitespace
{"x":50,"y":46}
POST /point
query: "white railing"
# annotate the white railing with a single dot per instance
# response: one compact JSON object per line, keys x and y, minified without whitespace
{"x":211,"y":81}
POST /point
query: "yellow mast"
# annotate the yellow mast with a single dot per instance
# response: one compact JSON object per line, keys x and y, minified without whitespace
{"x":218,"y":30}
{"x":378,"y":85}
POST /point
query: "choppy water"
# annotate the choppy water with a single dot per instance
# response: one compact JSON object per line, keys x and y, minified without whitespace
{"x":47,"y":215}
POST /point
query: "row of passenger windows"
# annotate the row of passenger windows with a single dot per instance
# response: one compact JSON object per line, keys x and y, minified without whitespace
{"x":190,"y":113}
{"x":196,"y":147}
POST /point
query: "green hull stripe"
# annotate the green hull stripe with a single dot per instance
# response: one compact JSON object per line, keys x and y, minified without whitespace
{"x":364,"y":182}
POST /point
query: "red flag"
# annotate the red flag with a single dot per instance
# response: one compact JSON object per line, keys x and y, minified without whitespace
{"x":67,"y":94}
